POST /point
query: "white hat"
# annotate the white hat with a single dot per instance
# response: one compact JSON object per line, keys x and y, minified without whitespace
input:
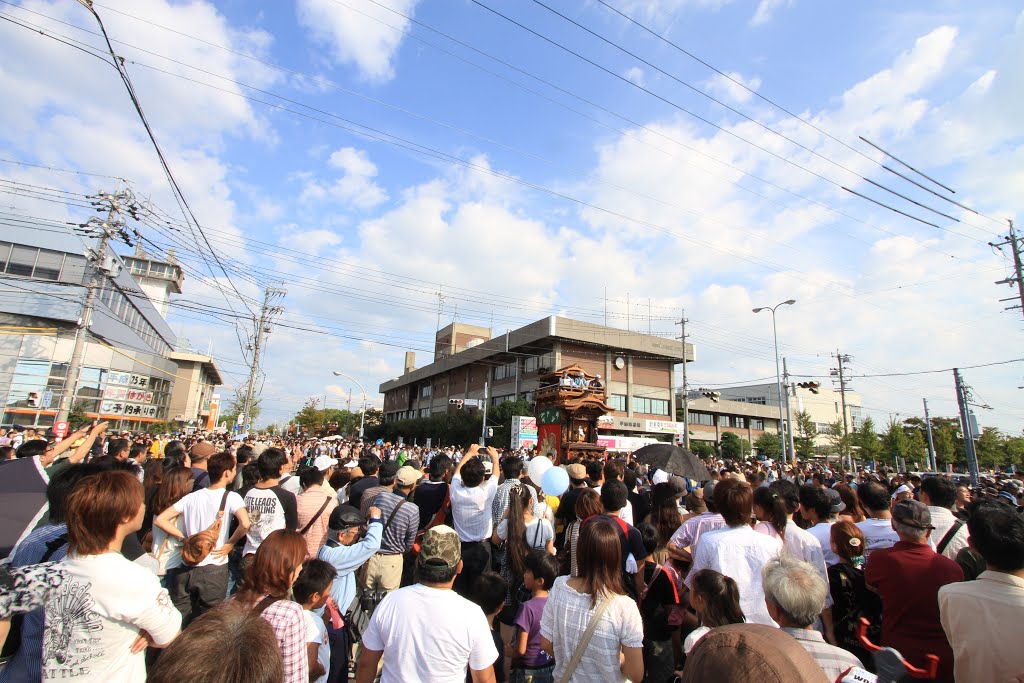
{"x":351,"y":463}
{"x":324,"y":463}
{"x":902,"y":489}
{"x":660,"y":476}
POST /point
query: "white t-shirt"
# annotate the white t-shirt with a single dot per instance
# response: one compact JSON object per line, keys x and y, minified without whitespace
{"x":536,"y":537}
{"x":429,"y":635}
{"x":566,"y":616}
{"x":823,"y":532}
{"x":471,"y":508}
{"x":878,"y":533}
{"x":740,"y":553}
{"x":167,"y":549}
{"x":200,"y":509}
{"x":266,"y":515}
{"x":316,"y":632}
{"x":95,"y":615}
{"x":291,"y":484}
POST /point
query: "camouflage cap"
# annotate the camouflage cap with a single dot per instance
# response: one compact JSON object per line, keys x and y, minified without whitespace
{"x":442,"y":544}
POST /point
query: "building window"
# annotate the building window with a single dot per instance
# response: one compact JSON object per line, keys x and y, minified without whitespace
{"x":426,"y":391}
{"x":618,"y":402}
{"x":424,"y":412}
{"x":756,"y":424}
{"x":535,"y":363}
{"x":22,"y":261}
{"x":650,"y":406}
{"x":498,"y":400}
{"x":702,"y":419}
{"x":505,"y":371}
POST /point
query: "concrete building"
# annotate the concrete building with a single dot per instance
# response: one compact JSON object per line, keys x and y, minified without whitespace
{"x":195,"y":383}
{"x":824,"y":408}
{"x":127,"y":374}
{"x":637,"y":369}
{"x":158,"y":278}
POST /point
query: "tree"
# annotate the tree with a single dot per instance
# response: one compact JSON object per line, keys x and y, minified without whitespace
{"x":839,"y":442}
{"x":162,"y":428}
{"x":235,"y":408}
{"x":866,"y":440}
{"x":1014,"y":448}
{"x":500,"y":419}
{"x":949,"y":447}
{"x":703,"y":449}
{"x":989,"y":448}
{"x":77,"y":416}
{"x":769,"y":445}
{"x":733,"y":447}
{"x":803,"y":439}
{"x":894,"y":441}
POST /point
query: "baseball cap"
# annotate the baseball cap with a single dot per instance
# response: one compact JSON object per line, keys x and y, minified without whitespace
{"x":352,"y":463}
{"x":709,"y":490}
{"x":912,"y":513}
{"x":903,"y":488}
{"x":202,"y":450}
{"x":324,"y":463}
{"x":441,"y":545}
{"x":576,"y":471}
{"x":407,"y":476}
{"x":344,"y":517}
{"x":836,"y":500}
{"x":1009,"y":497}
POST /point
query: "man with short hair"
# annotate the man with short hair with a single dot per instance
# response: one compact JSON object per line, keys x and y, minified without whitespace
{"x":270,"y":506}
{"x":427,"y":632}
{"x":118,"y":449}
{"x":981,"y":618}
{"x":950,"y":534}
{"x":401,"y":522}
{"x":200,"y":454}
{"x":907,"y":577}
{"x":794,"y":594}
{"x":314,"y":507}
{"x":819,"y":510}
{"x":385,"y":482}
{"x":431,"y":496}
{"x":684,"y":540}
{"x":368,"y":466}
{"x":198,"y":588}
{"x":877,"y":528}
{"x":614,"y":497}
{"x":471,"y":500}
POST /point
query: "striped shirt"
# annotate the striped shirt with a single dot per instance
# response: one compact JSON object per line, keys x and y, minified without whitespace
{"x":833,"y":660}
{"x":308,"y":504}
{"x":400,"y":534}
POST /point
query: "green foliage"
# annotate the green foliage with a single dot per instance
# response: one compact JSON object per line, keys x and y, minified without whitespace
{"x":895,"y":441}
{"x":162,"y":428}
{"x":839,"y":443}
{"x":769,"y":445}
{"x":702,"y":449}
{"x":458,"y":427}
{"x":77,"y":416}
{"x":732,"y":446}
{"x":234,"y":408}
{"x":313,"y":419}
{"x":866,"y":440}
{"x":500,"y":419}
{"x":803,"y":437}
{"x":990,"y":450}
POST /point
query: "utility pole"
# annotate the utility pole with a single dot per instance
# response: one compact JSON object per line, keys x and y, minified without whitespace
{"x":789,"y":410}
{"x":1015,"y":247}
{"x":267,"y":312}
{"x":483,"y":427}
{"x":933,"y":458}
{"x":686,"y":390}
{"x":962,"y":398}
{"x":111,"y":228}
{"x":840,"y":374}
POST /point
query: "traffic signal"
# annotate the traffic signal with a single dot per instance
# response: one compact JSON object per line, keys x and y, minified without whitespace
{"x":34,"y":401}
{"x":713,"y":395}
{"x":490,"y":432}
{"x":811,"y":386}
{"x":457,"y":402}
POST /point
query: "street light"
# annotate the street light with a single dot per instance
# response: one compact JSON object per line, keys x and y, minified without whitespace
{"x":778,"y":375}
{"x":362,"y":415}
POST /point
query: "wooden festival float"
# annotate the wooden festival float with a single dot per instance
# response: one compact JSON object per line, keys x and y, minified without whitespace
{"x":569,"y":403}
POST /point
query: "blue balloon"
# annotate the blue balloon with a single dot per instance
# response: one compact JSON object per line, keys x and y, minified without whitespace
{"x":555,"y":481}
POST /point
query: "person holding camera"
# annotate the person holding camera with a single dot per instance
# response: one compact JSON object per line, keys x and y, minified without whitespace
{"x":471,"y":498}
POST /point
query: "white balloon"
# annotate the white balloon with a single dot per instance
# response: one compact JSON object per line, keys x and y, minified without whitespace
{"x":538,"y":467}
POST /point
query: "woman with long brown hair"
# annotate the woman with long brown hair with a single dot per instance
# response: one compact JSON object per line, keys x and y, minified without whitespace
{"x":588,"y":504}
{"x":596,"y":598}
{"x":665,"y":517}
{"x":175,"y":485}
{"x":268,"y":583}
{"x":853,"y":512}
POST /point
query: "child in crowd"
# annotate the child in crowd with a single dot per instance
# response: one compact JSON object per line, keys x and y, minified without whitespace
{"x":659,"y":607}
{"x":311,"y":590}
{"x":488,"y":591}
{"x":716,"y":599}
{"x":530,"y":664}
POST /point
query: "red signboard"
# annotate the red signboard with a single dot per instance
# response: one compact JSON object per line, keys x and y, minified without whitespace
{"x":60,"y":429}
{"x":549,"y":438}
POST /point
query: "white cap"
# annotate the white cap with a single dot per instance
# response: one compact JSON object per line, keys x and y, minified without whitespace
{"x":351,"y":463}
{"x":323,"y":463}
{"x":660,"y":477}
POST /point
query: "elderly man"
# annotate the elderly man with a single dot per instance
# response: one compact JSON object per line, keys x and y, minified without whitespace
{"x":908,"y":577}
{"x":795,"y":595}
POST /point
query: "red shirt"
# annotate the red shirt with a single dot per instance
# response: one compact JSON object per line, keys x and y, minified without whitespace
{"x":908,"y":577}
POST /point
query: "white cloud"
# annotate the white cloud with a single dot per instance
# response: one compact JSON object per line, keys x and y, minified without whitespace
{"x":766,"y":9}
{"x":635,"y":74}
{"x":732,"y":88}
{"x":361,"y":36}
{"x":354,"y":187}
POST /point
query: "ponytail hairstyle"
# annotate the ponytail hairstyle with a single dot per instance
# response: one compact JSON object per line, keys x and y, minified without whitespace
{"x":775,"y":509}
{"x":516,"y":549}
{"x":720,"y":597}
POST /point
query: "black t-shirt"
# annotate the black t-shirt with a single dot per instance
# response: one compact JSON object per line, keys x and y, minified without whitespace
{"x":567,"y":505}
{"x":632,"y":544}
{"x":655,"y":607}
{"x":200,"y":479}
{"x":355,"y":493}
{"x":429,"y":497}
{"x":641,"y":502}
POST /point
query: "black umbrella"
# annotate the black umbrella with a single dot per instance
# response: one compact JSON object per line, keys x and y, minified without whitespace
{"x":674,"y":460}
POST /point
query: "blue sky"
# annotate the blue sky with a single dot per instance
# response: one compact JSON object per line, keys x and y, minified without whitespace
{"x":520,"y":204}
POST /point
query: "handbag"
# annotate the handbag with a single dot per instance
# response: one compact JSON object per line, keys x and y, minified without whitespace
{"x":197,"y":547}
{"x":581,"y":647}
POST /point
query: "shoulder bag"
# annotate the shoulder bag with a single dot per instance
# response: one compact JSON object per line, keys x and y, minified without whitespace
{"x":327,"y":501}
{"x":584,"y":641}
{"x":197,"y":547}
{"x":949,"y":536}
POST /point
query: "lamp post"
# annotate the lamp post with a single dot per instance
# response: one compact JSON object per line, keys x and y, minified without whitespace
{"x":778,"y":375}
{"x":362,"y":414}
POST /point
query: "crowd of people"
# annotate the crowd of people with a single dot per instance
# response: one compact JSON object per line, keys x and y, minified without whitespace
{"x":304,"y":560}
